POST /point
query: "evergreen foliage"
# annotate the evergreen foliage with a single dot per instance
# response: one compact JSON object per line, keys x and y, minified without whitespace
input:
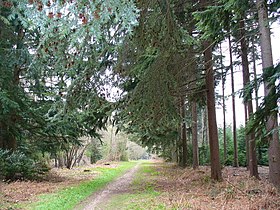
{"x":16,"y":165}
{"x":61,"y":62}
{"x":56,"y":65}
{"x":268,"y":106}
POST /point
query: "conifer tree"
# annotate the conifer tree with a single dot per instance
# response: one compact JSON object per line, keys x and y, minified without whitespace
{"x":269,"y":90}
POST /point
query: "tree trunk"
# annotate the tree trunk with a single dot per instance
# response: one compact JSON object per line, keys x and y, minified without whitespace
{"x":255,"y":74}
{"x":224,"y":125}
{"x":223,"y":106}
{"x":203,"y":126}
{"x":235,"y":150}
{"x":216,"y":173}
{"x":60,"y":159}
{"x":246,"y":137}
{"x":179,"y":142}
{"x":271,"y":124}
{"x":207,"y":149}
{"x":253,"y":164}
{"x":204,"y":133}
{"x":183,"y":131}
{"x":174,"y":154}
{"x":7,"y":140}
{"x":194,"y":136}
{"x":111,"y":150}
{"x":256,"y":92}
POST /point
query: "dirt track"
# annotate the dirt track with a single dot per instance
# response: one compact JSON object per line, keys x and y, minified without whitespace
{"x":121,"y":185}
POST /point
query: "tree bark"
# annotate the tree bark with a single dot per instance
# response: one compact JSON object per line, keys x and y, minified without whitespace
{"x":255,"y":74}
{"x":183,"y":131}
{"x":246,"y":137}
{"x":224,"y":123}
{"x":235,"y":150}
{"x":204,"y":133}
{"x":216,"y":173}
{"x":194,"y":136}
{"x":271,"y":124}
{"x":223,"y":106}
{"x":253,"y":164}
{"x":7,"y":141}
{"x":259,"y":155}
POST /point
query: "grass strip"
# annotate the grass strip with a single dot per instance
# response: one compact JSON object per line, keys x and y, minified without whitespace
{"x":143,"y":194}
{"x":68,"y":198}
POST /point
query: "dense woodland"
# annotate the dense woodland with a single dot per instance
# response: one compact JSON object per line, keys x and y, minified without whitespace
{"x":70,"y":69}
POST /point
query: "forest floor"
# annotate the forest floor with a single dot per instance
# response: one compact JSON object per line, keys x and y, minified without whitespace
{"x":27,"y":191}
{"x":159,"y":185}
{"x":193,"y":189}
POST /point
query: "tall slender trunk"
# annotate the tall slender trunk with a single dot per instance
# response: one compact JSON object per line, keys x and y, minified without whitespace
{"x":253,"y":164}
{"x":183,"y":131}
{"x":174,"y":154}
{"x":179,"y":142}
{"x":194,"y":136}
{"x":246,"y":137}
{"x":271,"y":124}
{"x":256,"y":93}
{"x":255,"y":74}
{"x":111,"y":151}
{"x":235,"y":152}
{"x":204,"y":133}
{"x":194,"y":109}
{"x":224,"y":122}
{"x":223,"y":106}
{"x":216,"y":173}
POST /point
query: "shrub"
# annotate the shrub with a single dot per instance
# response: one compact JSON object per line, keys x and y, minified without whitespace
{"x":16,"y":165}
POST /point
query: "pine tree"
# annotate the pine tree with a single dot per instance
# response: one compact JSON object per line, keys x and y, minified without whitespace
{"x":269,"y":89}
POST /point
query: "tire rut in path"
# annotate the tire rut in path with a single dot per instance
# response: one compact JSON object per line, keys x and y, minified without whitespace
{"x":120,"y":185}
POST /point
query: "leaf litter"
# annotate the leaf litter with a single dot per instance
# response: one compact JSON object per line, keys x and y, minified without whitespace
{"x":180,"y":188}
{"x":58,"y":178}
{"x":194,"y":189}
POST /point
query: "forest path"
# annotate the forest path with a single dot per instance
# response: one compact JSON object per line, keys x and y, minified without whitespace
{"x":119,"y":186}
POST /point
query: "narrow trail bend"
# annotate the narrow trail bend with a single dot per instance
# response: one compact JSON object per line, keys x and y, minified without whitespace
{"x":120,"y":185}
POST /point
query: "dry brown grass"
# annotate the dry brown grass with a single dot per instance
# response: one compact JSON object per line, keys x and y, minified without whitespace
{"x":23,"y":191}
{"x":193,"y":189}
{"x":181,"y":188}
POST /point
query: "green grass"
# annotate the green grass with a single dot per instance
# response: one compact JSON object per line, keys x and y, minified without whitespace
{"x":137,"y":201}
{"x":143,"y":195}
{"x":69,"y":197}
